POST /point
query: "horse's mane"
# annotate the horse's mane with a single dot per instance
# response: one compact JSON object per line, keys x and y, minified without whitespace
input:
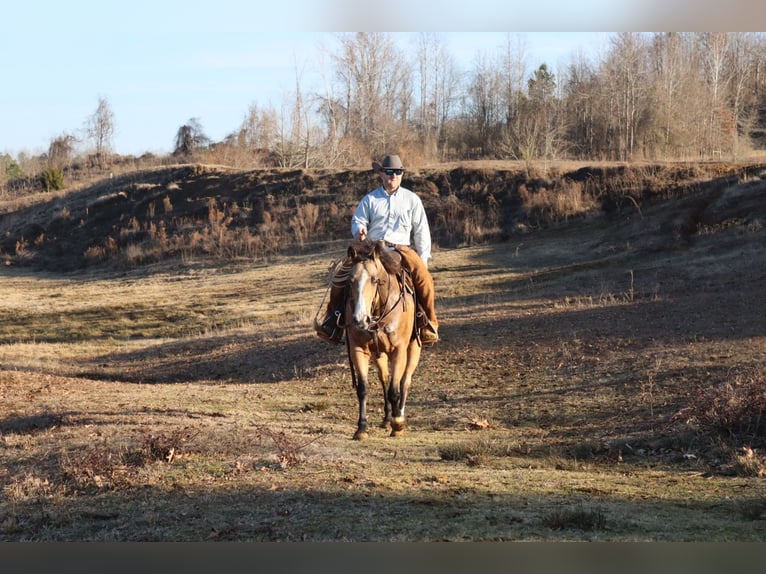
{"x":366,"y":248}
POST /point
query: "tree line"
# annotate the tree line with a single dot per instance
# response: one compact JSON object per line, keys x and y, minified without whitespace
{"x":649,"y":96}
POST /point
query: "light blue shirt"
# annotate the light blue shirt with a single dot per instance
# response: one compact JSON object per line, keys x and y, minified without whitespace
{"x":397,"y":218}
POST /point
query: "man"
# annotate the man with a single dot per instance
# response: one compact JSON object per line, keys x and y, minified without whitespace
{"x":394,"y":214}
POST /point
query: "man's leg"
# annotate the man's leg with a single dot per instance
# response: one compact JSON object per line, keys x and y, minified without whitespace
{"x":424,"y":288}
{"x":330,"y":326}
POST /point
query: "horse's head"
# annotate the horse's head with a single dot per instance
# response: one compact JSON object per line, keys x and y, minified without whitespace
{"x":365,"y":278}
{"x":371,"y":281}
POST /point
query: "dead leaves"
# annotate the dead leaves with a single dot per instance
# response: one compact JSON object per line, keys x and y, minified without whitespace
{"x":476,"y":424}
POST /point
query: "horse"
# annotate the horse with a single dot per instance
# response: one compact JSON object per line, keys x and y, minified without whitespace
{"x":380,"y":321}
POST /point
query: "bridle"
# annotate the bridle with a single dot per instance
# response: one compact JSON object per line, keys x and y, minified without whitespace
{"x":379,"y":302}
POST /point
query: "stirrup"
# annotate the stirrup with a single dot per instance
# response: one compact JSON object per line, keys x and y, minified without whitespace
{"x":331,"y":329}
{"x":421,"y":319}
{"x":428,"y":335}
{"x":428,"y":338}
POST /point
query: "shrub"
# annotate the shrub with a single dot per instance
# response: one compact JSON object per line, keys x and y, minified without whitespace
{"x":52,"y":178}
{"x":748,"y":463}
{"x":734,"y":408}
{"x":13,"y":171}
{"x":576,"y":518}
{"x":545,"y":206}
{"x":475,"y":450}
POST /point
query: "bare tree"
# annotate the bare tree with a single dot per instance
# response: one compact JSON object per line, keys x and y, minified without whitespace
{"x":428,"y":46}
{"x":742,"y":63}
{"x":331,"y":114}
{"x":514,"y":68}
{"x":438,"y":82}
{"x":295,"y":135}
{"x":483,"y":108}
{"x":61,"y":150}
{"x":100,"y":130}
{"x":714,"y":48}
{"x":582,"y":97}
{"x":626,"y":76}
{"x":190,"y":137}
{"x":372,"y":76}
{"x":258,"y":133}
{"x":669,"y":64}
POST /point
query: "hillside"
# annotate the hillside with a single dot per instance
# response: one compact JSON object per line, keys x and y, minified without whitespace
{"x":184,"y":211}
{"x":600,"y":376}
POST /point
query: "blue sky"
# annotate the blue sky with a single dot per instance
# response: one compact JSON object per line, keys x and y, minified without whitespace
{"x":161,"y":63}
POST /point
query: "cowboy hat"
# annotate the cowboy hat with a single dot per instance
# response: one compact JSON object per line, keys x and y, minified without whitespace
{"x":389,"y":162}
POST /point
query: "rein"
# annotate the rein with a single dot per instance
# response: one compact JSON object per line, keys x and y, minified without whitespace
{"x":375,"y":323}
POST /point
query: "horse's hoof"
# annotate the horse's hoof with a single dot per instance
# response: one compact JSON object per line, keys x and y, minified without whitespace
{"x":360,"y":435}
{"x":385,"y":424}
{"x":397,"y":426}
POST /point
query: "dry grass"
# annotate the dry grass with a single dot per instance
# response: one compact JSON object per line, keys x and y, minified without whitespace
{"x":191,"y":401}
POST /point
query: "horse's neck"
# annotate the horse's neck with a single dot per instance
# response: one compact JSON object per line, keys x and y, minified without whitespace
{"x":393,"y":287}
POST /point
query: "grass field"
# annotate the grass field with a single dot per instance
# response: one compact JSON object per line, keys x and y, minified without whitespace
{"x":592,"y":384}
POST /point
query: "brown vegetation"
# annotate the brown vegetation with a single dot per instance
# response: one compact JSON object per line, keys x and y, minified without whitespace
{"x":601,"y":375}
{"x":189,"y":211}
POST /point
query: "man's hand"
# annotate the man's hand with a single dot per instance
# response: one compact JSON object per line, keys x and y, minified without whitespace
{"x":362,"y":235}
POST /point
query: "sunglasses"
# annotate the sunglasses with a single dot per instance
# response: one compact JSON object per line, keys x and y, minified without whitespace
{"x":393,"y":171}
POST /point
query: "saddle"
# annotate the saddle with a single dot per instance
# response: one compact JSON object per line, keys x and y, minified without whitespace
{"x":405,"y":282}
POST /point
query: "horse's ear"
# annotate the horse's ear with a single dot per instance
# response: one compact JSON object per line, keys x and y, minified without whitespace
{"x":380,"y":247}
{"x":351,"y":252}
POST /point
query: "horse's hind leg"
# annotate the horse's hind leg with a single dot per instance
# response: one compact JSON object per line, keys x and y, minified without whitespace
{"x":386,"y":422}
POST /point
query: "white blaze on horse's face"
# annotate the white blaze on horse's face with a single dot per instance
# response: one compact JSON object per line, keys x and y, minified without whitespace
{"x":363,"y":305}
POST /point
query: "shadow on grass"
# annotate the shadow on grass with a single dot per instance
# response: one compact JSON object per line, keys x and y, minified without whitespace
{"x":365,"y":513}
{"x":262,"y":359}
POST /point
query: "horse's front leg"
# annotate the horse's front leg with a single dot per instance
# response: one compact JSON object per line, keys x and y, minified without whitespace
{"x":381,"y":362}
{"x":361,"y":362}
{"x":413,"y":358}
{"x":395,"y":390}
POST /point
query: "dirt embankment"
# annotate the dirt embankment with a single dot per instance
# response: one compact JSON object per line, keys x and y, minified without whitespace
{"x":148,"y":216}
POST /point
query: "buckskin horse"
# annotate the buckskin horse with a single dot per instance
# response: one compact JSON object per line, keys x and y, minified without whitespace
{"x":380,"y":324}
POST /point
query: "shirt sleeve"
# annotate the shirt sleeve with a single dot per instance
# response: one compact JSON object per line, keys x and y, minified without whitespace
{"x":421,"y":232}
{"x":361,"y":217}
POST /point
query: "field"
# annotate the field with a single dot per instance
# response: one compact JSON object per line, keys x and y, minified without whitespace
{"x":596,"y":381}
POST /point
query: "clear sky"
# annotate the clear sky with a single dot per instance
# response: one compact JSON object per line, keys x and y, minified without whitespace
{"x":160,"y":63}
